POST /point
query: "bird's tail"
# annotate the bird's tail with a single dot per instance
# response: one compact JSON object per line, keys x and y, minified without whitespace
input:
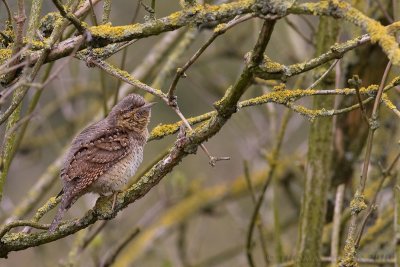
{"x":57,"y":219}
{"x":66,"y":203}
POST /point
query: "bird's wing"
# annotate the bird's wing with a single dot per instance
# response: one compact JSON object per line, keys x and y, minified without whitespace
{"x":94,"y":157}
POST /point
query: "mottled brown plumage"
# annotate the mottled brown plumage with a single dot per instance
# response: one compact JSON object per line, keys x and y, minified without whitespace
{"x":106,"y":154}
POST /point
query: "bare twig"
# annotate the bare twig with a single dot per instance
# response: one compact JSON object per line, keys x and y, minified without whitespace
{"x":309,"y":24}
{"x":260,"y":226}
{"x":93,"y":14}
{"x":5,"y":229}
{"x":384,"y":11}
{"x":273,"y":163}
{"x":372,"y":205}
{"x":111,"y":255}
{"x":324,"y":74}
{"x":82,"y":240}
{"x":175,"y":55}
{"x":213,"y":160}
{"x":299,"y":32}
{"x":221,"y":29}
{"x":373,"y":126}
{"x":125,"y":76}
{"x":70,"y":16}
{"x":10,"y":69}
{"x":337,"y":223}
{"x":8,"y":10}
{"x":19,"y":20}
{"x":358,"y":202}
{"x":125,"y":53}
{"x":6,"y":64}
{"x":356,"y":82}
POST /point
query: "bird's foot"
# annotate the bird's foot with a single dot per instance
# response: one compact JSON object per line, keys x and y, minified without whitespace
{"x":115,"y":199}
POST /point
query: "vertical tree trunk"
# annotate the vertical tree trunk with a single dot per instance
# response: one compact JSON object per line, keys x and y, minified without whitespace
{"x":318,"y":172}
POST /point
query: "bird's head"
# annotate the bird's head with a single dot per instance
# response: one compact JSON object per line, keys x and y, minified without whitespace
{"x":132,"y":113}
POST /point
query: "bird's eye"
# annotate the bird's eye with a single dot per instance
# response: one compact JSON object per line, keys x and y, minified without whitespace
{"x":141,"y":112}
{"x":128,"y":109}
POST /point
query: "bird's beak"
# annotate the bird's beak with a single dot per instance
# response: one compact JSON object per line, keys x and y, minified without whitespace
{"x":148,"y":105}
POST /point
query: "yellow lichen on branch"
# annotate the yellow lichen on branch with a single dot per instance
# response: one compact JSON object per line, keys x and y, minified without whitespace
{"x":115,"y":32}
{"x":388,"y":42}
{"x":5,"y":54}
{"x":380,"y":34}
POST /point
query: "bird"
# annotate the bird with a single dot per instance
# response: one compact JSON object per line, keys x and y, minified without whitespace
{"x":103,"y":157}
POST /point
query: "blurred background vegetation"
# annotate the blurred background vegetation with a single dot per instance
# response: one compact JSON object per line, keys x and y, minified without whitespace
{"x":199,"y":215}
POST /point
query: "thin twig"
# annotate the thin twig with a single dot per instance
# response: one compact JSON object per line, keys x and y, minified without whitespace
{"x":70,"y":16}
{"x":6,"y":64}
{"x":175,"y":55}
{"x":309,"y":24}
{"x":49,"y":205}
{"x":299,"y":32}
{"x":181,"y":244}
{"x":384,"y":11}
{"x":8,"y":10}
{"x":373,"y":126}
{"x":372,"y":205}
{"x":283,"y":72}
{"x":213,"y":160}
{"x":260,"y":226}
{"x":101,"y":73}
{"x":273,"y":162}
{"x":125,"y":76}
{"x":324,"y":74}
{"x":5,"y":229}
{"x":125,"y":53}
{"x":337,"y":223}
{"x":356,"y":83}
{"x":271,"y":172}
{"x":82,"y":240}
{"x":358,"y":202}
{"x":221,"y":29}
{"x":12,"y":89}
{"x":18,"y":44}
{"x":94,"y":18}
{"x":92,"y":234}
{"x":10,"y":69}
{"x":112,"y":254}
{"x":390,"y":105}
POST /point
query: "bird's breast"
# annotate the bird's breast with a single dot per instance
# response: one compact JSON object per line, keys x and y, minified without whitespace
{"x":118,"y":175}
